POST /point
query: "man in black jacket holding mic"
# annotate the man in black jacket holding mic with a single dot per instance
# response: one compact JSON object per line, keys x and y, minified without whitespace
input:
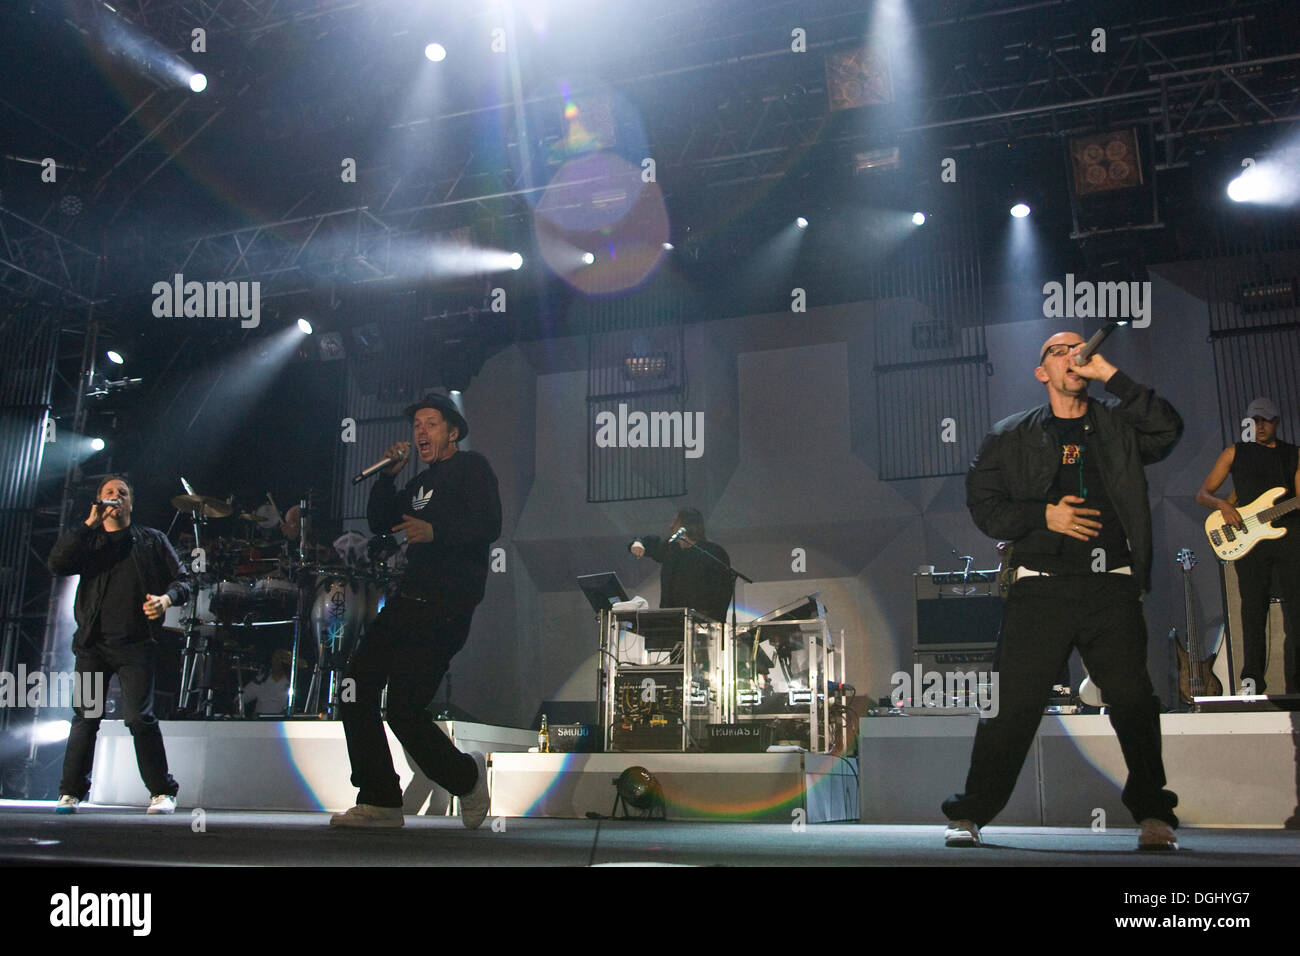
{"x":129,"y":577}
{"x":689,"y":578}
{"x":1065,"y":483}
{"x":450,"y":514}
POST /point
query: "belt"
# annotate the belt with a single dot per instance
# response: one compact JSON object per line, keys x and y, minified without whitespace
{"x":1030,"y":573}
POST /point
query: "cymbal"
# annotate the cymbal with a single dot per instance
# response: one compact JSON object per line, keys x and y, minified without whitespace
{"x":211,"y":507}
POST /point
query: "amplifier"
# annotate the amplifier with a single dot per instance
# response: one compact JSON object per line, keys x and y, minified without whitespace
{"x":956,"y":656}
{"x":957,"y":609}
{"x":748,"y":738}
{"x":574,"y":739}
{"x":648,"y":709}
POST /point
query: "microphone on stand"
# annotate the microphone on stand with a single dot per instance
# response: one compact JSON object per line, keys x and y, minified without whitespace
{"x":675,"y":535}
{"x":379,"y":466}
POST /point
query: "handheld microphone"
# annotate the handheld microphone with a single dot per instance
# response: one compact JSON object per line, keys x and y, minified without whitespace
{"x":379,"y":466}
{"x":110,"y":502}
{"x":1094,"y":343}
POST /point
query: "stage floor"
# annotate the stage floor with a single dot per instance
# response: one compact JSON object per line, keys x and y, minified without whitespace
{"x":31,"y":834}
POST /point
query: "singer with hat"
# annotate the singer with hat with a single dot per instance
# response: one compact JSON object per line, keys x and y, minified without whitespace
{"x":449,"y":514}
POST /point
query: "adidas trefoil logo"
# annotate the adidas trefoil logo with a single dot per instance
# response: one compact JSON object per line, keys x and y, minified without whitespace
{"x":421,"y":498}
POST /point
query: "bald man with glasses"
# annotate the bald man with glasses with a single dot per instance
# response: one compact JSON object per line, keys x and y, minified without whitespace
{"x":1064,"y":483}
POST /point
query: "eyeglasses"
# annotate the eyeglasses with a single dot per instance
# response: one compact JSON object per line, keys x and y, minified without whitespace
{"x":1056,"y":351}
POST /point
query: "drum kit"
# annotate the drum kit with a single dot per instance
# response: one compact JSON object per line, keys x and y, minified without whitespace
{"x":250,"y":595}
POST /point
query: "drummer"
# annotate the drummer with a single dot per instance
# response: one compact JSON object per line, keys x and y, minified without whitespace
{"x":291,"y":528}
{"x":270,"y":693}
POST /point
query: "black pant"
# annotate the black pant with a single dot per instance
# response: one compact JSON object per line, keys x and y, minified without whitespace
{"x":1101,"y":615}
{"x":408,"y":647}
{"x":1254,"y":584}
{"x":134,"y":665}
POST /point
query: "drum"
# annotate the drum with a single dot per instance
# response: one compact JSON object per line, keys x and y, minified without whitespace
{"x":260,"y":600}
{"x":256,"y":560}
{"x":342,"y":608}
{"x":174,"y":618}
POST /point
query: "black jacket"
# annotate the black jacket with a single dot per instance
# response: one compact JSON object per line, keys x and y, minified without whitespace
{"x":459,"y":498}
{"x":691,"y":579}
{"x":1008,"y":484}
{"x":86,"y":551}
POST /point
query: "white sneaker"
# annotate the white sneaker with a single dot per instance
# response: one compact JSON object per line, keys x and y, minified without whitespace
{"x":67,"y":804}
{"x":962,"y":833}
{"x":162,"y":803}
{"x":367,"y":815}
{"x":474,"y":805}
{"x":1156,"y":835}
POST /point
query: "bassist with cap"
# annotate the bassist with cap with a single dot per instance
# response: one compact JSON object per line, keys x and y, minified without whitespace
{"x":1255,"y":467}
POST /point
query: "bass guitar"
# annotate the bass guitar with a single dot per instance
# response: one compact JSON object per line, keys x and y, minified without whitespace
{"x":1231,"y":541}
{"x":1196,"y":676}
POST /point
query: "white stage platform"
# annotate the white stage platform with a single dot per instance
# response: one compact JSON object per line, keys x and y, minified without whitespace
{"x":766,"y":787}
{"x":303,"y":765}
{"x":274,"y":764}
{"x":1227,"y":769}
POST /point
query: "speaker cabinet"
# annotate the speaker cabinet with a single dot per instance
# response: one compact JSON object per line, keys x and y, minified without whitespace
{"x":1275,"y":637}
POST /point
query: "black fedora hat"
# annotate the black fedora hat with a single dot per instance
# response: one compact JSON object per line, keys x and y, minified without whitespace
{"x":450,"y":413}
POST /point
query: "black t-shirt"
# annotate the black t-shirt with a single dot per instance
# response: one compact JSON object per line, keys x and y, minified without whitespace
{"x":121,"y":615}
{"x":459,"y":497}
{"x":1078,"y":474}
{"x":1256,"y":468}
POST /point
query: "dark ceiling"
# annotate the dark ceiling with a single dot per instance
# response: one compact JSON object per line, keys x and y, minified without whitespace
{"x":737,"y":122}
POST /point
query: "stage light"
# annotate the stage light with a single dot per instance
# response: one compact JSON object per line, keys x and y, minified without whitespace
{"x":304,"y":326}
{"x":446,"y":258}
{"x":876,"y":160}
{"x":97,"y":443}
{"x":198,"y":82}
{"x":51,"y":731}
{"x":636,"y":787}
{"x":331,"y":347}
{"x":653,"y":365}
{"x":588,"y":258}
{"x":115,"y":357}
{"x":1020,"y":210}
{"x":435,"y":52}
{"x":918,"y":219}
{"x":1273,"y":181}
{"x":1260,"y":184}
{"x":801,"y":222}
{"x":668,"y":247}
